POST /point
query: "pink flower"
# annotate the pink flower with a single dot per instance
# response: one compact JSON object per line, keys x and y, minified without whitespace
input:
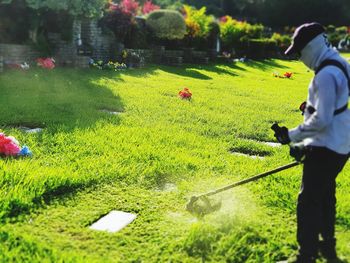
{"x":223,"y":19}
{"x":130,"y":6}
{"x":8,"y":145}
{"x":47,"y":63}
{"x":148,"y":7}
{"x":113,"y":6}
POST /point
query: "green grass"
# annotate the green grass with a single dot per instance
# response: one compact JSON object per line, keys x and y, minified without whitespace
{"x":87,"y":162}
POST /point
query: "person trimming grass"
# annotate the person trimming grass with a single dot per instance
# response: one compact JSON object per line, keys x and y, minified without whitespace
{"x":325,"y":133}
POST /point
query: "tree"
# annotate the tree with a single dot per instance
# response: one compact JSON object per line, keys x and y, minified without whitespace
{"x":77,"y":8}
{"x":276,"y":13}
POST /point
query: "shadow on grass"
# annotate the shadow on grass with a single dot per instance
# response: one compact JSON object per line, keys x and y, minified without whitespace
{"x":265,"y":64}
{"x":13,"y":210}
{"x":63,"y":98}
{"x":193,"y":71}
{"x":186,"y":71}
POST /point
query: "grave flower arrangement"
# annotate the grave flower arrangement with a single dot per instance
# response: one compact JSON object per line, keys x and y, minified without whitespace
{"x":9,"y":146}
{"x":114,"y":66}
{"x":185,"y":94}
{"x":287,"y":75}
{"x":108,"y":66}
{"x":47,"y":63}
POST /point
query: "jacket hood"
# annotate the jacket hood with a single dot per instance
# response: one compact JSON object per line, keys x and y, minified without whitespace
{"x":314,"y":52}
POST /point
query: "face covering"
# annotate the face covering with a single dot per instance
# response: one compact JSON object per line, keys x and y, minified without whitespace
{"x":314,"y":50}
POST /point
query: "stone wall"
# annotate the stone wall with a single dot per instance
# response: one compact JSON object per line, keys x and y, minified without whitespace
{"x":85,"y":32}
{"x":1,"y":64}
{"x":17,"y":53}
{"x":104,"y":46}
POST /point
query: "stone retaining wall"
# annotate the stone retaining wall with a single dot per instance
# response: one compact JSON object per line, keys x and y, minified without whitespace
{"x":104,"y":46}
{"x":17,"y":53}
{"x":1,"y":64}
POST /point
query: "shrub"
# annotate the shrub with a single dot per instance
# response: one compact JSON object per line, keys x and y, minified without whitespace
{"x":343,"y":30}
{"x":199,"y":27}
{"x":261,"y":48}
{"x":282,"y":41}
{"x":166,"y":24}
{"x":330,"y":29}
{"x":137,"y":37}
{"x":197,"y":19}
{"x":336,"y":34}
{"x":118,"y":21}
{"x":231,"y":31}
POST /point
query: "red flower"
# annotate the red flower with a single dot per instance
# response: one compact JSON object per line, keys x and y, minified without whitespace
{"x":288,"y":74}
{"x":185,"y":94}
{"x":8,"y":146}
{"x":47,"y":63}
{"x":148,"y":7}
{"x":223,"y":19}
{"x":130,"y":6}
{"x":113,"y":6}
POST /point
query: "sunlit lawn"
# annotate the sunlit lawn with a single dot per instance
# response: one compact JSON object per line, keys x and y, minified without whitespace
{"x":88,"y":162}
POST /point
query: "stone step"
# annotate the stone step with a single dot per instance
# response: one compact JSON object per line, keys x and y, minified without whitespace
{"x":201,"y":60}
{"x":173,"y":61}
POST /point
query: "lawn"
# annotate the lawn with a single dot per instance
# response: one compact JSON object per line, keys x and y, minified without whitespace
{"x":148,"y":158}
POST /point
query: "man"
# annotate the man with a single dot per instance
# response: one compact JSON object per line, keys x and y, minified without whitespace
{"x":325,"y":134}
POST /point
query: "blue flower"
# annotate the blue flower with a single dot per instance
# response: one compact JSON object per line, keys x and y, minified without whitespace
{"x":25,"y":152}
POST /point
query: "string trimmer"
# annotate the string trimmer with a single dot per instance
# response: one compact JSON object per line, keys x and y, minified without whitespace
{"x":200,"y":205}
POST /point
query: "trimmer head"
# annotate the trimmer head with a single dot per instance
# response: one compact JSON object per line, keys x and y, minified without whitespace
{"x":201,"y":206}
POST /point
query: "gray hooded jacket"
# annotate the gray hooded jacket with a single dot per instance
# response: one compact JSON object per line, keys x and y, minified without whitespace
{"x":328,"y":91}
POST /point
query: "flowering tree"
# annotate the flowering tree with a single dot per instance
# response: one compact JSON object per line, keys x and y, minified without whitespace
{"x":130,"y":6}
{"x":119,"y":18}
{"x":148,"y":7}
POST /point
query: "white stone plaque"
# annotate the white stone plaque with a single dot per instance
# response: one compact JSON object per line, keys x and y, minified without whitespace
{"x":113,"y":222}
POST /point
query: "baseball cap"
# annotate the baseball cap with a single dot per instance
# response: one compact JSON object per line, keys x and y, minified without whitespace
{"x":303,"y":35}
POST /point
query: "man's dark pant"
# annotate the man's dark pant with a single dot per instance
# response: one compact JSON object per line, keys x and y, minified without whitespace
{"x":316,"y":203}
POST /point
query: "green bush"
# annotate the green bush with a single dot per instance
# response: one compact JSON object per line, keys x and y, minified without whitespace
{"x":197,"y":22}
{"x":282,"y":41}
{"x":201,"y":29}
{"x":261,"y":48}
{"x":137,"y":37}
{"x":343,"y":30}
{"x":118,"y":21}
{"x":330,"y":29}
{"x":335,"y":34}
{"x":233,"y":31}
{"x":166,"y":24}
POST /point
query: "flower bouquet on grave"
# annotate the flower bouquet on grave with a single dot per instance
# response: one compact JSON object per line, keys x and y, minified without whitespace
{"x":47,"y":63}
{"x":288,"y":75}
{"x":185,"y":94}
{"x":9,"y":146}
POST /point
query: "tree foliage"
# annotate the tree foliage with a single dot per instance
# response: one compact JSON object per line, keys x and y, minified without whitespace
{"x":82,"y":8}
{"x":276,"y":12}
{"x":197,"y":22}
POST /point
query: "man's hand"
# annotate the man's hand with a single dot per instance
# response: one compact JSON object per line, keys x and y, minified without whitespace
{"x":302,"y":108}
{"x":281,"y":134}
{"x":297,"y":151}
